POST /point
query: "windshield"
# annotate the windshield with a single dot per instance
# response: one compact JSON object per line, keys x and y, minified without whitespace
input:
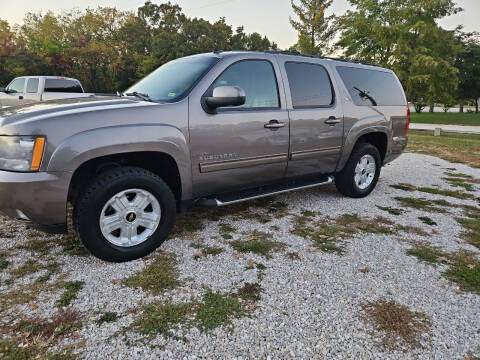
{"x":172,"y":81}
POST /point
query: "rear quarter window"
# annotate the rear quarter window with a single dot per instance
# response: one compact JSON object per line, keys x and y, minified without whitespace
{"x":372,"y":87}
{"x":62,"y":86}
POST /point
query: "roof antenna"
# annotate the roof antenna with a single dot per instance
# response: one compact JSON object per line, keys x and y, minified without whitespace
{"x":217,"y":49}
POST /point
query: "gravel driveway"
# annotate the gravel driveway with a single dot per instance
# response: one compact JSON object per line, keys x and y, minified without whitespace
{"x":311,"y":288}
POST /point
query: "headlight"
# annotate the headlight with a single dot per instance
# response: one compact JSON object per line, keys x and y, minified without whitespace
{"x":21,"y":153}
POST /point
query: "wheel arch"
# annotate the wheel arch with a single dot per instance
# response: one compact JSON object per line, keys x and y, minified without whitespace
{"x":377,"y":136}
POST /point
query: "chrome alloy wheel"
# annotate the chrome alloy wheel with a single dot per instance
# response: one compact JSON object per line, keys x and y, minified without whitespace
{"x":365,"y":171}
{"x":130,"y":217}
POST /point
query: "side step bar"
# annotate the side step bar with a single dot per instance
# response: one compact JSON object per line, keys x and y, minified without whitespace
{"x":252,"y":195}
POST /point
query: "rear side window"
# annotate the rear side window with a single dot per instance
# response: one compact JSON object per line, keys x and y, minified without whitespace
{"x":32,"y":86}
{"x":17,"y":86}
{"x":63,"y":86}
{"x":310,"y":85}
{"x":372,"y":87}
{"x":257,"y":79}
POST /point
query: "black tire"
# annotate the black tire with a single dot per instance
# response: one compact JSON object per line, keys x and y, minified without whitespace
{"x":90,"y":203}
{"x":345,"y":179}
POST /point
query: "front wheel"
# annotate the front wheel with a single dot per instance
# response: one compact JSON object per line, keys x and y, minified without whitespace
{"x":124,"y":214}
{"x":360,"y":175}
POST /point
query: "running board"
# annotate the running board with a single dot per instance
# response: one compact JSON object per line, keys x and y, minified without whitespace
{"x":229,"y":199}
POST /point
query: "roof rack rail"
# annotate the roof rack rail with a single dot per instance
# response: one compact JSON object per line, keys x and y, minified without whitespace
{"x":297,"y":53}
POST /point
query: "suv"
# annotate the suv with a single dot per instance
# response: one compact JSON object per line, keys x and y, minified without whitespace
{"x":206,"y":130}
{"x":30,"y":89}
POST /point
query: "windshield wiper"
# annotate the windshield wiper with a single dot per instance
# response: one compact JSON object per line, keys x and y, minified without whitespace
{"x":142,"y":96}
{"x":365,"y":94}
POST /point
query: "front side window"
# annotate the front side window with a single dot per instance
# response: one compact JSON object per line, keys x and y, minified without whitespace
{"x":16,"y":86}
{"x":310,"y":85}
{"x":174,"y":80}
{"x":62,"y":86}
{"x":257,"y":79}
{"x":372,"y":87}
{"x":32,"y":86}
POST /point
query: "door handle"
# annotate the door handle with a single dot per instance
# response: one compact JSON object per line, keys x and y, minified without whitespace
{"x":332,"y":120}
{"x":20,"y":97}
{"x":274,"y":125}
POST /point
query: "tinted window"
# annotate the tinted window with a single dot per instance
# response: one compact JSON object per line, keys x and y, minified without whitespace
{"x":172,"y":81}
{"x":62,"y":85}
{"x":32,"y":86}
{"x":17,"y":86}
{"x":372,"y":87}
{"x":309,"y":84}
{"x":257,"y":79}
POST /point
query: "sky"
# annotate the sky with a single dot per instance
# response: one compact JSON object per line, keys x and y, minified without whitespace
{"x":268,"y":17}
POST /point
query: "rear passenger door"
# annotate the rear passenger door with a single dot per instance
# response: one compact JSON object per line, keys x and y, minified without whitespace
{"x":316,"y":119}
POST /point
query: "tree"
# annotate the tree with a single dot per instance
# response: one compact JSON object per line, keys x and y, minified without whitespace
{"x":404,"y":35}
{"x":315,"y":30}
{"x":468,"y":65}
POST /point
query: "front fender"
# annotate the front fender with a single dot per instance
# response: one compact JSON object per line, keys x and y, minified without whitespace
{"x":374,"y":124}
{"x":91,"y":144}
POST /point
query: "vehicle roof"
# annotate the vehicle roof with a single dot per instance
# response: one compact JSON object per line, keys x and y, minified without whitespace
{"x":307,"y":58}
{"x":46,"y":77}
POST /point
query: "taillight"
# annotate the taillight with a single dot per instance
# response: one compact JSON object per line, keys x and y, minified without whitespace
{"x":407,"y":126}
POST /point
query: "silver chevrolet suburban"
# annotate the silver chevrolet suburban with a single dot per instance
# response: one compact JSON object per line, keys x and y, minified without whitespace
{"x":206,"y":130}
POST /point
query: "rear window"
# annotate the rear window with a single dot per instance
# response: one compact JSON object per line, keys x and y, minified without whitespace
{"x":63,"y":86}
{"x":32,"y":86}
{"x":309,"y":84}
{"x":372,"y":87}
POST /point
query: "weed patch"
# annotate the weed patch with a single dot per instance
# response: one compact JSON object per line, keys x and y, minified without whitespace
{"x":71,"y":290}
{"x":160,"y":275}
{"x":427,"y":220}
{"x":423,"y":204}
{"x":391,"y":211}
{"x":250,"y":292}
{"x":404,"y":187}
{"x":397,"y":323}
{"x":464,"y":269}
{"x":259,"y":243}
{"x":107,"y":317}
{"x":449,"y":193}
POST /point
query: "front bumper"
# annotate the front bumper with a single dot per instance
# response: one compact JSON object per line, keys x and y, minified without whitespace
{"x":39,"y":198}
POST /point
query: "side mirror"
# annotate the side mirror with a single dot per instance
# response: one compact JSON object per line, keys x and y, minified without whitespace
{"x":225,"y":96}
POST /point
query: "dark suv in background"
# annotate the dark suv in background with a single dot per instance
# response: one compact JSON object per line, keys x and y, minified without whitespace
{"x":205,"y":130}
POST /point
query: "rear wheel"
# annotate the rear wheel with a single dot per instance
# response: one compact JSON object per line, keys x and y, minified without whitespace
{"x":124,"y":214}
{"x":360,"y":175}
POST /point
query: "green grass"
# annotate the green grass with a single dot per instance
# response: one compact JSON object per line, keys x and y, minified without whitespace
{"x":159,"y":318}
{"x":160,"y":275}
{"x":464,"y":268}
{"x":391,"y":211}
{"x":218,"y":309}
{"x":107,"y":317}
{"x":457,"y":148}
{"x":214,"y":310}
{"x":467,"y":275}
{"x":423,"y":204}
{"x":327,"y":235}
{"x":471,"y":225}
{"x":459,"y":182}
{"x":449,"y":193}
{"x":71,"y":290}
{"x":427,"y":220}
{"x":259,"y":243}
{"x":446,"y":118}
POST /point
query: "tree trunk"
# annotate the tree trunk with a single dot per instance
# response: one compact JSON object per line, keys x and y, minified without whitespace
{"x":462,"y":103}
{"x":431,"y":108}
{"x":476,"y":106}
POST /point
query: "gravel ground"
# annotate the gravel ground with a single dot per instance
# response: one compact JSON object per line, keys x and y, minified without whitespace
{"x":310,"y":306}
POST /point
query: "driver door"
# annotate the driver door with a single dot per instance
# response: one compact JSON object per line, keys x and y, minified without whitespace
{"x":236,"y":147}
{"x":15,"y":93}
